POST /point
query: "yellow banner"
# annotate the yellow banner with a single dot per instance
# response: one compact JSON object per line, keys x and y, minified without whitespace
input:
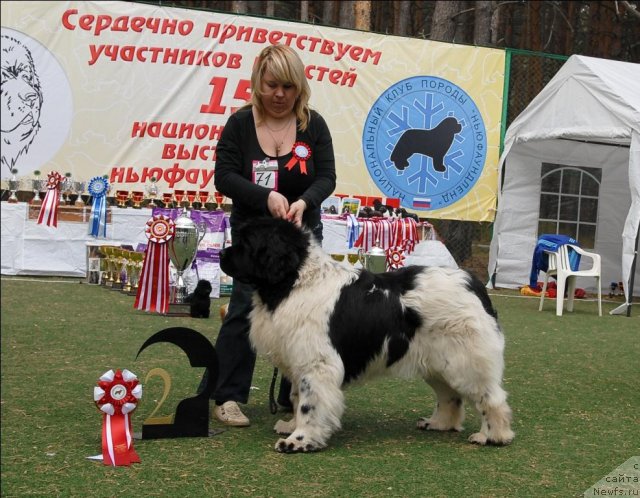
{"x":134,"y":91}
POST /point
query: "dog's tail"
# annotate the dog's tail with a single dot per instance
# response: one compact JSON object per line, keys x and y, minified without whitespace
{"x":476,"y":286}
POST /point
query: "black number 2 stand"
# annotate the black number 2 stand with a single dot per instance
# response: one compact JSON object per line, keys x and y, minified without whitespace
{"x":191,"y":418}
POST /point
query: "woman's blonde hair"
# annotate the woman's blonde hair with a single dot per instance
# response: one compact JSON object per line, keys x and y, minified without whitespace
{"x":286,"y":67}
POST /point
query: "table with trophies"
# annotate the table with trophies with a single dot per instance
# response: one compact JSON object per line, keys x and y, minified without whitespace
{"x":68,"y":249}
{"x":428,"y":252}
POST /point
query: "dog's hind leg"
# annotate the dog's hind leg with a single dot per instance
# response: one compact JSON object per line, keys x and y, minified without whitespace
{"x":481,"y":385}
{"x":449,"y":412}
{"x":318,"y":412}
{"x":496,"y":418}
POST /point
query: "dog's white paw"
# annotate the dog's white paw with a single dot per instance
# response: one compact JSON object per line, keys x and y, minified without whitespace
{"x":295,"y":445}
{"x":285,"y":427}
{"x":430,"y":424}
{"x":478,"y":438}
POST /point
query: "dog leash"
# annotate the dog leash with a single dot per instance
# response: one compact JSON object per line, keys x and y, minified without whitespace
{"x":273,"y":406}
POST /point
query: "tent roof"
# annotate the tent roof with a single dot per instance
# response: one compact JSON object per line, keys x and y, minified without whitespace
{"x":587,"y":99}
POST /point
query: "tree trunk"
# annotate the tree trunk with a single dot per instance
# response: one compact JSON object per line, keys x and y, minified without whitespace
{"x":270,"y":9}
{"x":329,"y":10}
{"x":483,"y":24}
{"x":239,"y":6}
{"x":402,"y":18}
{"x":443,"y":25}
{"x":363,"y":15}
{"x":347,"y":17}
{"x":304,"y":10}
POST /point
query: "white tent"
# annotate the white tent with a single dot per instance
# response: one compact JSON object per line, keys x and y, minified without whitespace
{"x":587,"y":116}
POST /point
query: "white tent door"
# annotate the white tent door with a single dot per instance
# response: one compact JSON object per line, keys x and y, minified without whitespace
{"x":520,"y":206}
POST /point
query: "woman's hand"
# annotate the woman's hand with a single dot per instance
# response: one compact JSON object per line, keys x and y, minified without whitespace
{"x":278,"y":205}
{"x":296,"y":211}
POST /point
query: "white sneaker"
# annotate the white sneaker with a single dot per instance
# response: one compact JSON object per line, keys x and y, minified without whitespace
{"x":229,"y":413}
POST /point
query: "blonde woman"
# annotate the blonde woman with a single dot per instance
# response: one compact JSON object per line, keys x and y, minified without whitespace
{"x":274,"y":158}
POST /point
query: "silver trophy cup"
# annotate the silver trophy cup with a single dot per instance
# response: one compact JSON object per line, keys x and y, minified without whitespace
{"x":182,"y":251}
{"x":14,"y":186}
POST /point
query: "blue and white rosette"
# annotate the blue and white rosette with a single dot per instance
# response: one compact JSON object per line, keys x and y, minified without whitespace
{"x":98,"y":188}
{"x":353,"y":230}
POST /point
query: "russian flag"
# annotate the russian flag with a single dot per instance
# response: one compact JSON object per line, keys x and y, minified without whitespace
{"x":420,"y":202}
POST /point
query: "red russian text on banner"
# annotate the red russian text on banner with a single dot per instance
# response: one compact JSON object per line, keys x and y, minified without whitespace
{"x":49,"y":209}
{"x":153,"y":288}
{"x":301,"y":153}
{"x":117,"y":395}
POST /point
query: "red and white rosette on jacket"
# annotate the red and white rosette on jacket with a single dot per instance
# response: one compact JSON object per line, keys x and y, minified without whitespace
{"x":117,"y":395}
{"x":153,"y":289}
{"x":49,"y":209}
{"x":395,"y":258}
{"x":301,"y":154}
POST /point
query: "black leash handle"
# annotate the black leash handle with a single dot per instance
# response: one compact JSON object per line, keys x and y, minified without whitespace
{"x":273,"y":406}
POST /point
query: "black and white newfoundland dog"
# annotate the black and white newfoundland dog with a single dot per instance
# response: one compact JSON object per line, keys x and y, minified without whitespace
{"x":325,"y":323}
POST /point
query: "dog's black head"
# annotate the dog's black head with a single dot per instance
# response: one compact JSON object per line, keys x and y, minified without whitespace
{"x":267,"y":253}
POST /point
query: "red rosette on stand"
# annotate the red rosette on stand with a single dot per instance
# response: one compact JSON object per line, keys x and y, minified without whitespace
{"x":49,"y":209}
{"x":117,"y":395}
{"x":301,"y":154}
{"x":395,"y":258}
{"x":153,"y":289}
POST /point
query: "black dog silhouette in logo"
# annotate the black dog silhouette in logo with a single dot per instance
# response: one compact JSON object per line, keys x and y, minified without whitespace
{"x":433,"y":143}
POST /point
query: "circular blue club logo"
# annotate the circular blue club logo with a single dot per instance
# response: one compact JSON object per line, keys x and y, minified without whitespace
{"x":424,"y":142}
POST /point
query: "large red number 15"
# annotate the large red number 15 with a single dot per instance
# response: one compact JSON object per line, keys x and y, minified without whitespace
{"x":219,"y":84}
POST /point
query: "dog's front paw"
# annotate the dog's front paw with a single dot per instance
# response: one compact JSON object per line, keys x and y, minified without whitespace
{"x":290,"y":445}
{"x":478,"y":438}
{"x":284,"y":427}
{"x":430,"y":424}
{"x":482,"y":439}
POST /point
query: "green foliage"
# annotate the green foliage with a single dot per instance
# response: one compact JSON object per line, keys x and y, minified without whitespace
{"x":573,"y":384}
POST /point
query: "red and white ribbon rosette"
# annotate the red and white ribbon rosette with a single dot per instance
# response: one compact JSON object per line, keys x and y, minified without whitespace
{"x":406,"y":234}
{"x":117,"y":395}
{"x":49,"y":209}
{"x":153,"y":289}
{"x":395,"y":258}
{"x":368,"y":235}
{"x":301,"y":153}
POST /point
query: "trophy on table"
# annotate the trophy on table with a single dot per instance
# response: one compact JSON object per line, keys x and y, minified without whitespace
{"x":65,"y":189}
{"x":167,"y":198}
{"x":133,"y":270}
{"x":137,"y":198}
{"x":179,"y":196}
{"x":203,"y":195}
{"x":119,"y":268}
{"x":375,"y":259}
{"x":78,"y":189}
{"x":107,"y":277}
{"x":152,"y":191}
{"x":182,"y":251}
{"x":14,"y":186}
{"x":219,"y":199}
{"x":38,"y":185}
{"x":122,"y":196}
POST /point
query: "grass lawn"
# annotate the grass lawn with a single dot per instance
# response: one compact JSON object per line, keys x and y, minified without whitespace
{"x":573,"y":384}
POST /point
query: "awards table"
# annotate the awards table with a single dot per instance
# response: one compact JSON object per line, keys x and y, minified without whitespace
{"x":32,"y":249}
{"x":427,"y":252}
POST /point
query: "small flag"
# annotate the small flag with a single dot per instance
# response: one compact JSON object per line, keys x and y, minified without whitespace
{"x":420,"y":202}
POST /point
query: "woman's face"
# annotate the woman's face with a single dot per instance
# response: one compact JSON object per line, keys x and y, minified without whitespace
{"x":277,"y":98}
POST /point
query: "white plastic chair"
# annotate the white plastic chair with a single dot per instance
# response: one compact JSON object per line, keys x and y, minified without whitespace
{"x":560,"y":268}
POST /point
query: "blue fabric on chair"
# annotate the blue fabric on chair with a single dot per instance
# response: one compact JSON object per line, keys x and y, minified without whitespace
{"x":550,"y":242}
